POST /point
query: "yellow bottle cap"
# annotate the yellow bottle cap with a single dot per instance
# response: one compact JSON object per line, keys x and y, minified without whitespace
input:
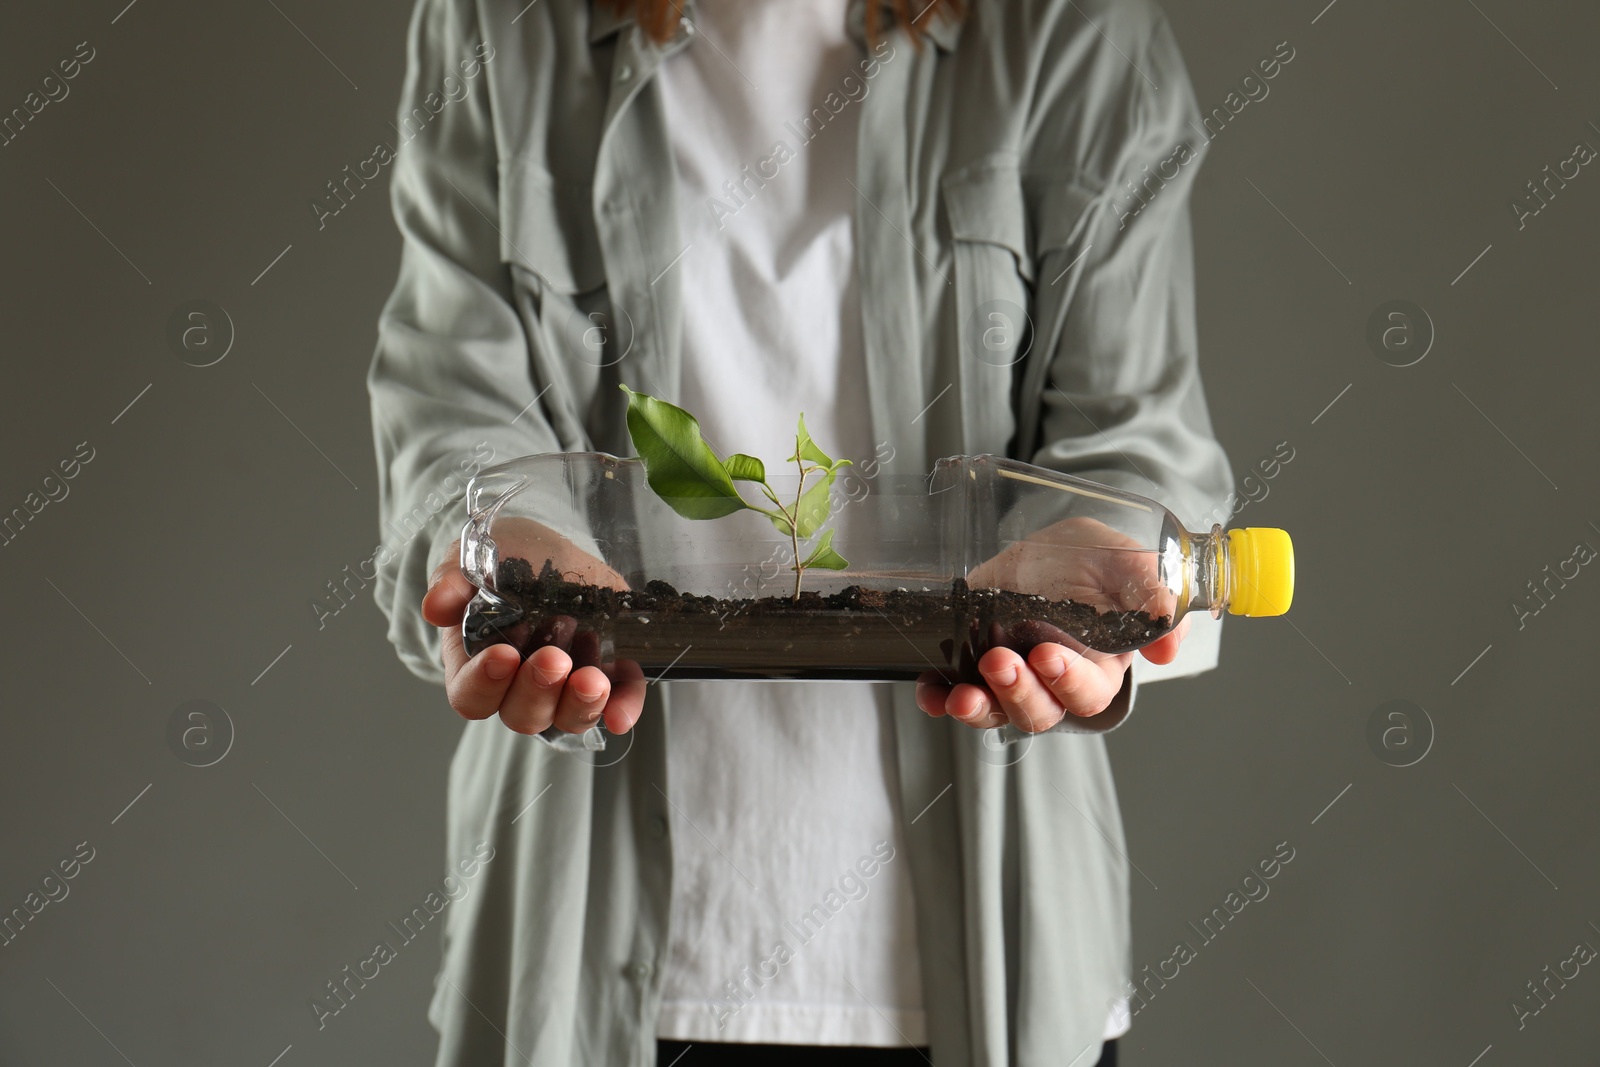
{"x":1260,"y":571}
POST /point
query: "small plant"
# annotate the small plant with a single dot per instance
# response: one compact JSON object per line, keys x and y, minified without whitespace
{"x":686,"y":473}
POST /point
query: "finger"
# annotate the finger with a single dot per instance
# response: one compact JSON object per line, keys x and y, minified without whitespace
{"x":932,"y":693}
{"x":477,"y":687}
{"x":1165,"y":649}
{"x":1081,"y":685}
{"x":627,"y":695}
{"x":974,"y":706}
{"x":1137,"y":577}
{"x":453,"y":653}
{"x":445,"y":603}
{"x":1021,"y":694}
{"x":582,"y":700}
{"x":530,"y":704}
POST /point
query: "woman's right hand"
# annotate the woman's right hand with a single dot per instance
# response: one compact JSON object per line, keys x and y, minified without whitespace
{"x":543,"y":690}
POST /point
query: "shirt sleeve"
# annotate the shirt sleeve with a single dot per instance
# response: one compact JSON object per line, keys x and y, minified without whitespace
{"x":450,"y":383}
{"x":1123,"y":402}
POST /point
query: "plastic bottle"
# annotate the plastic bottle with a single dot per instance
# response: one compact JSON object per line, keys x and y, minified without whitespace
{"x":984,"y":551}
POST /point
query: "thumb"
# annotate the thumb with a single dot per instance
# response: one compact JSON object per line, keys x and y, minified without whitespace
{"x":445,"y":603}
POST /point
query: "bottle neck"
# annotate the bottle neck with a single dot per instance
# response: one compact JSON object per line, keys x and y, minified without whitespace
{"x":1205,"y":557}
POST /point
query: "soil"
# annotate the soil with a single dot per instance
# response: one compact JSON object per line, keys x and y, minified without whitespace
{"x":857,"y":632}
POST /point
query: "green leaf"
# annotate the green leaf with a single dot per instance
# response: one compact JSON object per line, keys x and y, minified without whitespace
{"x":678,"y":463}
{"x":814,"y":505}
{"x":824,"y":556}
{"x":806,"y":448}
{"x":745,"y":468}
{"x":813,"y":509}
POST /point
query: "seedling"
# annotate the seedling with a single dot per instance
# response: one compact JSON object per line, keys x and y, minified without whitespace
{"x":686,"y":473}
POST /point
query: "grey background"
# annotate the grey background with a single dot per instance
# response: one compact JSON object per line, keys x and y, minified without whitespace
{"x":183,"y":563}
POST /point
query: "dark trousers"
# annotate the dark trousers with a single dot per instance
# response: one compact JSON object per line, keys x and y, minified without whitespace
{"x":715,"y":1054}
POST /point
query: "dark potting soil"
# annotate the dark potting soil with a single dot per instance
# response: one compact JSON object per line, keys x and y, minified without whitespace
{"x":857,"y":632}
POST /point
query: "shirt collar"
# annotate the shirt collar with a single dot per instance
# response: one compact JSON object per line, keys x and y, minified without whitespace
{"x":604,"y":20}
{"x":943,"y":32}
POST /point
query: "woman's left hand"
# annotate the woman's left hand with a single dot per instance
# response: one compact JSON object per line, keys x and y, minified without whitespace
{"x":1055,"y":680}
{"x":1036,"y":693}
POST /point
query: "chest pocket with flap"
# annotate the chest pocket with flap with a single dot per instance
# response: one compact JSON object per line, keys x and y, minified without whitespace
{"x":550,"y":244}
{"x":993,"y":277}
{"x":1012,"y":234}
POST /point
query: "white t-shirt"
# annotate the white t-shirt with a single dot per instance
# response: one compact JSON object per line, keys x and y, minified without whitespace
{"x":792,"y":917}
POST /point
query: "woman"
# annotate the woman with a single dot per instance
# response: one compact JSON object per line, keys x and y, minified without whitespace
{"x":933,"y":230}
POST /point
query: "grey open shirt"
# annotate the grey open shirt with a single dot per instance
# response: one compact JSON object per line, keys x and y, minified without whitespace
{"x":993,"y":165}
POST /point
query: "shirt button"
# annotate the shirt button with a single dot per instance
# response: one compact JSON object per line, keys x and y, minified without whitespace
{"x":624,"y":72}
{"x":685,"y":27}
{"x":639,"y":971}
{"x":657,"y":827}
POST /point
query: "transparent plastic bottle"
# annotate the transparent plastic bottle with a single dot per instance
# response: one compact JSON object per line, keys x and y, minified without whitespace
{"x":576,"y":549}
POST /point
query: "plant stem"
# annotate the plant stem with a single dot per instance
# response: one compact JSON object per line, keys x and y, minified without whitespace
{"x":794,"y":526}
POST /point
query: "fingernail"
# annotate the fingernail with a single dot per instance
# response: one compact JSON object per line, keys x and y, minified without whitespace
{"x":499,"y":668}
{"x":589,"y":716}
{"x":1005,"y":676}
{"x":980,"y":711}
{"x":1052,"y":668}
{"x":545,"y":677}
